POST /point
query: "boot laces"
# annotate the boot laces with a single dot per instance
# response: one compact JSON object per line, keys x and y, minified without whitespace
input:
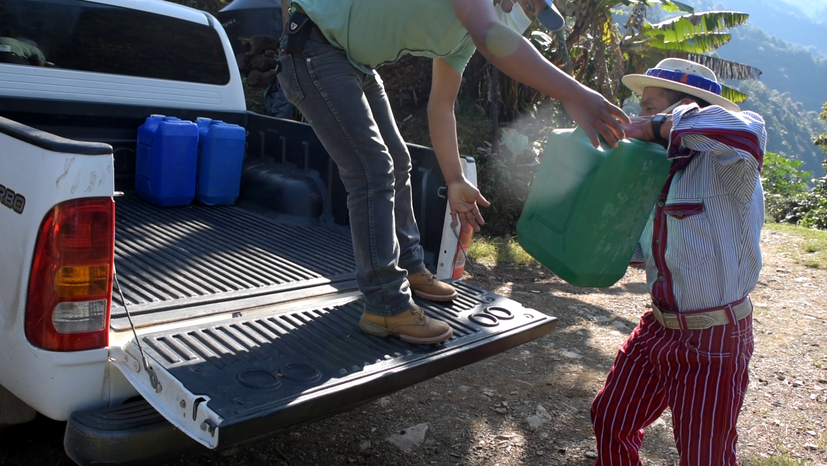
{"x":418,"y":312}
{"x":429,"y":277}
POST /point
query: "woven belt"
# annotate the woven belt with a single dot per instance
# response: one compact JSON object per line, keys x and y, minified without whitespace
{"x":704,"y":319}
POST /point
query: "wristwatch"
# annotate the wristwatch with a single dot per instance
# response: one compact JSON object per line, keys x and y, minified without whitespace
{"x":657,"y":122}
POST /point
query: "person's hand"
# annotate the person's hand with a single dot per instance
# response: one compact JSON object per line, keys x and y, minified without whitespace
{"x":640,"y":128}
{"x":465,"y":200}
{"x":593,"y":113}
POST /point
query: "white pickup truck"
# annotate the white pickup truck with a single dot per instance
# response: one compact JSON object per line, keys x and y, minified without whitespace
{"x":204,"y":326}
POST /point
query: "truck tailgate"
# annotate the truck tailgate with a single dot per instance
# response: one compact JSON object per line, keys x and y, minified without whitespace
{"x":259,"y":374}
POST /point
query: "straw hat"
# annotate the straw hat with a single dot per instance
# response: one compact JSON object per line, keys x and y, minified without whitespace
{"x":684,"y":76}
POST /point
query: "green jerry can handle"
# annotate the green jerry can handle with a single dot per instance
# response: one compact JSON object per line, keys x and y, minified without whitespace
{"x":580,"y":132}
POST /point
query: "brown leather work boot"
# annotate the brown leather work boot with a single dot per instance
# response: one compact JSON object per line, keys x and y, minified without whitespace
{"x":425,"y":285}
{"x":412,"y":326}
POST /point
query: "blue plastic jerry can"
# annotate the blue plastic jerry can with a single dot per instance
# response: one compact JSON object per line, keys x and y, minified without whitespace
{"x":166,"y":161}
{"x":220,"y":159}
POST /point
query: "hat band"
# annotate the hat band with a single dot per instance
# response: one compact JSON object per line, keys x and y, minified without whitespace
{"x":688,"y":79}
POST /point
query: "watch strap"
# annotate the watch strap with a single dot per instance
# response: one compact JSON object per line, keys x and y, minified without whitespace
{"x":657,"y":123}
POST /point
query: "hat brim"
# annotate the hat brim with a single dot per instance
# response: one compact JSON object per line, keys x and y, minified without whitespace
{"x":637,"y":82}
{"x":551,"y":18}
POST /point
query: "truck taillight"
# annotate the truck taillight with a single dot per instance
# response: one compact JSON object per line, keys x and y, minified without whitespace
{"x":465,"y":235}
{"x":70,"y":287}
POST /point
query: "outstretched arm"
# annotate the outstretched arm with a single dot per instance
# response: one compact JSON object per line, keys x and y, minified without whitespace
{"x":735,"y":141}
{"x":728,"y":136}
{"x":516,"y":57}
{"x":463,"y":197}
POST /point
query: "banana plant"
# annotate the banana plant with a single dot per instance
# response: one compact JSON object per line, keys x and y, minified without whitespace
{"x":689,"y":36}
{"x":598,"y":52}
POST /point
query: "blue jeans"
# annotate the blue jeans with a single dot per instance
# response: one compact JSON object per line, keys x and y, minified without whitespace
{"x":350,"y":113}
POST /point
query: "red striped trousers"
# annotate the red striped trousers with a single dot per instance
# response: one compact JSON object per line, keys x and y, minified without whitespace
{"x":701,"y":375}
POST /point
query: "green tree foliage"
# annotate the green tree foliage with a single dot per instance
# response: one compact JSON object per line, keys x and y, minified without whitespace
{"x":783,"y":182}
{"x":783,"y":176}
{"x":790,"y":127}
{"x":786,"y":196}
{"x":816,"y":203}
{"x":820,"y":140}
{"x":812,"y":211}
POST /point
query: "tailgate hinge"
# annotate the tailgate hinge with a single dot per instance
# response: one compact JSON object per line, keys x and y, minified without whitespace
{"x":185,"y":410}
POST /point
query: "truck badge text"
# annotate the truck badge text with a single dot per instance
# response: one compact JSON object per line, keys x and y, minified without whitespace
{"x":12,"y":200}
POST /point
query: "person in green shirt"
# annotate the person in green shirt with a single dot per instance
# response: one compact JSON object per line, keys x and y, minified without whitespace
{"x":19,"y":52}
{"x":329,"y":52}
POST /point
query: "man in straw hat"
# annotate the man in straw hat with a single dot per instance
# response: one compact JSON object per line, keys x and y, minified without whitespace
{"x":701,"y":249}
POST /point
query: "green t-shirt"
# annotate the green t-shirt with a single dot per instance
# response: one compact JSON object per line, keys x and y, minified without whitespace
{"x":378,"y":32}
{"x":21,"y":49}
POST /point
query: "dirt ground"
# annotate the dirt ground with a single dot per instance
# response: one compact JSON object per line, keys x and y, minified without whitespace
{"x":529,"y":406}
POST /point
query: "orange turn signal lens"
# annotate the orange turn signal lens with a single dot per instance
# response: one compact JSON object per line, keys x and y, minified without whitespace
{"x":82,"y":281}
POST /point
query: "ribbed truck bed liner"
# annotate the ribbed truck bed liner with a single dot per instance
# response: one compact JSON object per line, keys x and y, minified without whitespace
{"x":264,"y":373}
{"x":174,"y":263}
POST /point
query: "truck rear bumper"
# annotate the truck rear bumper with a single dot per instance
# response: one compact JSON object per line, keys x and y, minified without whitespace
{"x":132,"y":434}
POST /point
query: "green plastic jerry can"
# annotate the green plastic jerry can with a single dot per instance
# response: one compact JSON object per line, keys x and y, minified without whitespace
{"x":587,"y":207}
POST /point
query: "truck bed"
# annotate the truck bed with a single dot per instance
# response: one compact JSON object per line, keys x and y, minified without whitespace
{"x":261,"y":367}
{"x":174,"y":263}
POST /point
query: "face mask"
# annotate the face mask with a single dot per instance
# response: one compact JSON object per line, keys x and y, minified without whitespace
{"x":516,"y":19}
{"x":670,"y":108}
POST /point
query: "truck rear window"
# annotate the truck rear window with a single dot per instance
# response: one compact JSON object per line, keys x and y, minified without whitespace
{"x":86,"y":36}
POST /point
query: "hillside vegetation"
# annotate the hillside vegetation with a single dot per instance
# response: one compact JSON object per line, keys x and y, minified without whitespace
{"x":796,"y":21}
